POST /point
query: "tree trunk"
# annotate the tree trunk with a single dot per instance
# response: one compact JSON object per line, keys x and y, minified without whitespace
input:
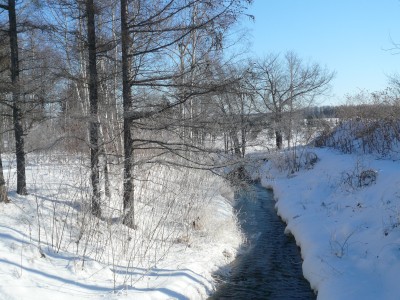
{"x":3,"y":188}
{"x":243,"y":129}
{"x":128,"y":196}
{"x":107,"y":191}
{"x":278,"y":139}
{"x":243,"y":125}
{"x":93,"y":103}
{"x":226,"y":146}
{"x":236,"y":145}
{"x":278,"y":130}
{"x":17,"y":114}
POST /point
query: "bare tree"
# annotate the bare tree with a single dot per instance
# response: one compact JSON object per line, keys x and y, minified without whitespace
{"x":4,"y":64}
{"x":286,"y":84}
{"x":128,"y":202}
{"x":156,"y":36}
{"x":16,"y":110}
{"x":234,"y":108}
{"x":93,"y":104}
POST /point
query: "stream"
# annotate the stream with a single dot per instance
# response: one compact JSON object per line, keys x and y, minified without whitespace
{"x":269,"y":265}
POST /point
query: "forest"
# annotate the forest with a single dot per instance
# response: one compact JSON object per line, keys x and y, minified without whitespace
{"x":134,"y":84}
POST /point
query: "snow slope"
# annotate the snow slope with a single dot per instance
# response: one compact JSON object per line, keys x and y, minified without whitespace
{"x":40,"y":259}
{"x":349,"y":235}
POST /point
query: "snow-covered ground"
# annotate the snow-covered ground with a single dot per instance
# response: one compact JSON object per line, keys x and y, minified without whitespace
{"x":349,"y":234}
{"x":51,"y":249}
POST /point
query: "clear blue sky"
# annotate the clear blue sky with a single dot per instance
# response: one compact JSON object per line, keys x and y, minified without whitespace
{"x":351,"y":37}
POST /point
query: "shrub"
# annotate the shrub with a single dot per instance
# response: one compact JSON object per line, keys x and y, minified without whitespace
{"x":367,"y":178}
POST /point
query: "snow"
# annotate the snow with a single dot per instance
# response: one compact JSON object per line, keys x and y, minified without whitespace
{"x":349,"y":235}
{"x":41,"y":259}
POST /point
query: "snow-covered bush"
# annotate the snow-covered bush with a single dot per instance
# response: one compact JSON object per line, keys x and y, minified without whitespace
{"x":292,"y":162}
{"x":310,"y":159}
{"x":357,"y":177}
{"x":367,"y":177}
{"x":381,"y":137}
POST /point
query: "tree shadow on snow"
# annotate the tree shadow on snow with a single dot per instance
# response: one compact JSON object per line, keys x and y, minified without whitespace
{"x":93,"y":287}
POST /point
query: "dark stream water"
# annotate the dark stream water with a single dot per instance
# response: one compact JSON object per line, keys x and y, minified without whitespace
{"x":270,"y":264}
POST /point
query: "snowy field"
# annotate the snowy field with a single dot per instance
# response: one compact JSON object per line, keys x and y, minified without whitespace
{"x":51,"y":248}
{"x":349,"y":234}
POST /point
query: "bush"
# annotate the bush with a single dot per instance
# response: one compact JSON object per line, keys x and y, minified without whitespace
{"x":311,"y":160}
{"x":293,"y":161}
{"x":364,"y":136}
{"x":358,"y":177}
{"x":367,"y":178}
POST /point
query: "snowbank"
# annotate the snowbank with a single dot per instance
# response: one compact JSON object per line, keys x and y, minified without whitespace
{"x":40,"y":257}
{"x":349,"y":235}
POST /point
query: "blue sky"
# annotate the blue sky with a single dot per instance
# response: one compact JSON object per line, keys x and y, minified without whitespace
{"x":352,"y":37}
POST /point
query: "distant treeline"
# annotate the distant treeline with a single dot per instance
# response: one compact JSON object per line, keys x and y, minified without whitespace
{"x":369,"y":111}
{"x":320,"y":112}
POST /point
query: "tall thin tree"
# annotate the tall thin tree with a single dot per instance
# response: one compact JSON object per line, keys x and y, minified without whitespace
{"x":128,"y":201}
{"x":16,"y":110}
{"x":93,"y":109}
